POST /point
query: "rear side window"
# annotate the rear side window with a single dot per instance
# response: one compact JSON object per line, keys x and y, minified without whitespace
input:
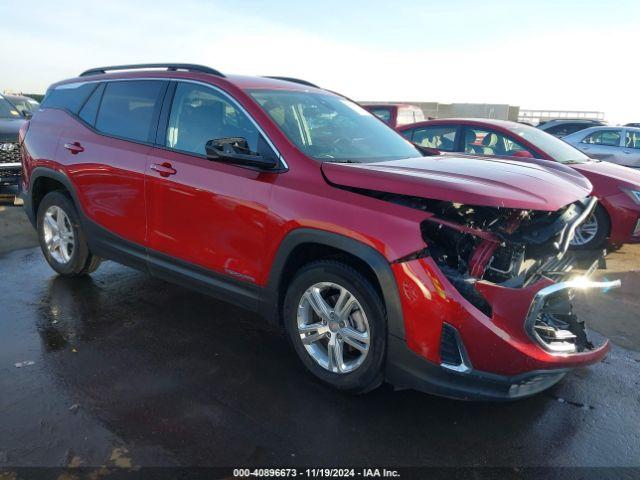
{"x":128,"y":108}
{"x":89,"y":111}
{"x":633,"y":139}
{"x":69,"y":97}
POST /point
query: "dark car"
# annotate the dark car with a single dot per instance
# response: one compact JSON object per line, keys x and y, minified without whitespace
{"x":447,"y":276}
{"x":563,"y":127}
{"x":10,"y":122}
{"x":634,"y":124}
{"x":25,"y":106}
{"x":617,"y":217}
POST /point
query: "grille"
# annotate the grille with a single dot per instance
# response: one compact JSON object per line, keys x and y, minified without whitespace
{"x":9,"y":152}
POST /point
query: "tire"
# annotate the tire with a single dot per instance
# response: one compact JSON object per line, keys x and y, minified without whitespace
{"x":587,"y":240}
{"x":70,"y":257}
{"x":357,"y":373}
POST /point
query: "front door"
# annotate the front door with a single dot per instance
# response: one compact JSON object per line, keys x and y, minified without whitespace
{"x":205,"y":215}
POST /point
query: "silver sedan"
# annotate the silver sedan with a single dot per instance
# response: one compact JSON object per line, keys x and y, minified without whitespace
{"x":619,"y":145}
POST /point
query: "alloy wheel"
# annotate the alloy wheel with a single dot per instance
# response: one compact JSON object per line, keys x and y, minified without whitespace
{"x":333,"y":327}
{"x":58,"y":234}
{"x":586,"y":232}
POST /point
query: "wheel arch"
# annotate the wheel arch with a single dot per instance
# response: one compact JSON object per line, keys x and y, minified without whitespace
{"x":303,"y":245}
{"x":42,"y":181}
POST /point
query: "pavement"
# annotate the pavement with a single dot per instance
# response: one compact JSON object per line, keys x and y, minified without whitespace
{"x":124,"y":370}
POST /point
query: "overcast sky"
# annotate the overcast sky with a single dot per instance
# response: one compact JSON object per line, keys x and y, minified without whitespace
{"x":581,"y":55}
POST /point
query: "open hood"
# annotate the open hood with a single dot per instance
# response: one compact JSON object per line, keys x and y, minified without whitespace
{"x":490,"y":182}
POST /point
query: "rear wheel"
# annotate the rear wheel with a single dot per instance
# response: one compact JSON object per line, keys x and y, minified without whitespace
{"x":592,"y":233}
{"x":337,"y":324}
{"x":61,"y":237}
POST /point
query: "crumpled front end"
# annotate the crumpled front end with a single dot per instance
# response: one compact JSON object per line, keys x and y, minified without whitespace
{"x":489,"y":302}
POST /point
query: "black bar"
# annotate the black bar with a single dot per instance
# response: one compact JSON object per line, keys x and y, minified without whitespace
{"x":169,"y":66}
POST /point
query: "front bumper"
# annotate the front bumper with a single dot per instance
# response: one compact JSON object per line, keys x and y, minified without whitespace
{"x":505,"y":359}
{"x":10,"y":173}
{"x":407,"y":369}
{"x":625,"y":215}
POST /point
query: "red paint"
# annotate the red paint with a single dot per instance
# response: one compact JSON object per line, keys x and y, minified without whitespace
{"x":608,"y":179}
{"x":232,"y":220}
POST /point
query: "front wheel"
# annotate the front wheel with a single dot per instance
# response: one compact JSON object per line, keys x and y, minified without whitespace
{"x":337,"y":325}
{"x":592,"y":233}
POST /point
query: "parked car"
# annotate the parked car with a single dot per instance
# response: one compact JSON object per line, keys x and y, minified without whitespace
{"x":635,"y":125}
{"x":563,"y":127}
{"x":24,"y":105}
{"x":396,"y":114}
{"x":619,"y":145}
{"x":296,"y":203}
{"x":616,"y":218}
{"x":10,"y":122}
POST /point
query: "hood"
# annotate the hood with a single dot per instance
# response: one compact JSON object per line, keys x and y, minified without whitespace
{"x":9,"y":128}
{"x":482,"y":181}
{"x":609,"y":176}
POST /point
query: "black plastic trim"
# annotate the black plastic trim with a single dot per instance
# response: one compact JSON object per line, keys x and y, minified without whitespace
{"x":374,"y":259}
{"x":407,"y":370}
{"x":172,"y":67}
{"x":293,"y":80}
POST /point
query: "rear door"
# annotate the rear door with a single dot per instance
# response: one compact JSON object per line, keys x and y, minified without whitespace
{"x":631,"y":149}
{"x":106,"y":148}
{"x":205,"y":216}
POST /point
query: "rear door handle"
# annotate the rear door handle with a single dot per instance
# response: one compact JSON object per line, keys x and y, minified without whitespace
{"x":164,"y":169}
{"x":74,"y":147}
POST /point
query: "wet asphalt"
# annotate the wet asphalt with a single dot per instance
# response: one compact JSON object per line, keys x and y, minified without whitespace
{"x":131,"y":371}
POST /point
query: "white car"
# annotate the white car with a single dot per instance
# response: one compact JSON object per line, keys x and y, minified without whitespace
{"x":619,"y":145}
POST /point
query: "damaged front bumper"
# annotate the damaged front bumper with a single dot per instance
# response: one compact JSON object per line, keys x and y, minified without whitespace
{"x":452,"y":348}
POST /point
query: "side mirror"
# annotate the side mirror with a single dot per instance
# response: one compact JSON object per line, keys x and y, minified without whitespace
{"x":427,"y":151}
{"x":27,"y":114}
{"x":236,"y":150}
{"x":522,"y":154}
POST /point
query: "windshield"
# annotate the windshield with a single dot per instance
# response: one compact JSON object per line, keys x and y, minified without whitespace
{"x":7,"y":110}
{"x":331,"y":128}
{"x":557,"y":149}
{"x":24,"y":104}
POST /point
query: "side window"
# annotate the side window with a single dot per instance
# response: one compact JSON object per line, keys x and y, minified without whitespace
{"x":408,"y":134}
{"x":90,"y":109}
{"x":406,"y":116}
{"x":478,"y":141}
{"x":632,"y":139}
{"x":608,"y":138}
{"x":69,"y":96}
{"x":440,"y":137}
{"x":383,"y":114}
{"x":200,"y":114}
{"x":127,"y":108}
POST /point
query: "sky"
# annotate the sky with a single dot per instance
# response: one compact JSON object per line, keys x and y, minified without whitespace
{"x":537,"y":54}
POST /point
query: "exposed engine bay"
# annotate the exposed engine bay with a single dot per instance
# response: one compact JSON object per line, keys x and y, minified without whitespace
{"x":509,"y":247}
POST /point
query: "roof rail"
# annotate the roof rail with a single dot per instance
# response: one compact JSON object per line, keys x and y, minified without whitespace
{"x":169,"y":66}
{"x":294,"y":80}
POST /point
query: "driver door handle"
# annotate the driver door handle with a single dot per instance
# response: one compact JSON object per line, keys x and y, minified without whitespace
{"x":164,"y":169}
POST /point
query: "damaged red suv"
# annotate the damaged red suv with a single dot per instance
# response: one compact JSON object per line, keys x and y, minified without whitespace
{"x":447,"y":276}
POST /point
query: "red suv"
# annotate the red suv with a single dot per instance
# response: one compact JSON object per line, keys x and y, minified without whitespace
{"x":448,"y":276}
